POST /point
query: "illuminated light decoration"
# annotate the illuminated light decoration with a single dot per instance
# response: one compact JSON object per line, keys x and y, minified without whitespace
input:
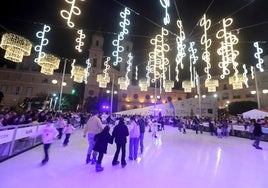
{"x":236,"y":81}
{"x":227,"y":49}
{"x":164,"y":62}
{"x":125,"y":81}
{"x":121,"y":37}
{"x":180,"y":49}
{"x":187,"y":86}
{"x":16,"y":47}
{"x":157,"y":60}
{"x":169,"y":84}
{"x":245,"y":77}
{"x":68,"y":15}
{"x":79,"y":41}
{"x":104,"y":77}
{"x":44,"y":42}
{"x":86,"y":71}
{"x":211,"y":85}
{"x":193,"y":59}
{"x":252,"y":72}
{"x":257,"y":55}
{"x":143,"y":84}
{"x":165,"y":4}
{"x":206,"y":23}
{"x":48,"y":64}
{"x":77,"y":73}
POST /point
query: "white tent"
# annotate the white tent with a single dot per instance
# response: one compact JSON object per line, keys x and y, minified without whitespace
{"x":255,"y":114}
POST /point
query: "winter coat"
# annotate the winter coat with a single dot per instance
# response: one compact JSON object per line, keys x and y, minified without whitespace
{"x":134,"y":129}
{"x":101,"y":141}
{"x":257,"y":129}
{"x":120,"y":133}
{"x":49,"y":133}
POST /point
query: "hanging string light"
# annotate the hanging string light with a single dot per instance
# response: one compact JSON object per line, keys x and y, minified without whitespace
{"x":77,"y":72}
{"x":144,"y":83}
{"x":68,"y":15}
{"x":120,"y":37}
{"x":16,"y":47}
{"x":44,"y":42}
{"x":193,"y":59}
{"x":104,"y":77}
{"x":86,"y":73}
{"x":245,"y":77}
{"x":165,"y":4}
{"x":125,"y":81}
{"x":212,"y":84}
{"x":79,"y":41}
{"x":187,"y":86}
{"x":257,"y":55}
{"x":180,"y":49}
{"x":236,"y":81}
{"x":48,"y":64}
{"x":252,"y":72}
{"x":226,"y":50}
{"x":206,"y":23}
{"x":136,"y":72}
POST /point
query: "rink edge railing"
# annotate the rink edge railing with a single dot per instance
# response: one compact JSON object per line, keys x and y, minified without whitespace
{"x":15,"y":139}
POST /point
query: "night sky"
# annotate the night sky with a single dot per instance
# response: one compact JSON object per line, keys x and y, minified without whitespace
{"x":27,"y":17}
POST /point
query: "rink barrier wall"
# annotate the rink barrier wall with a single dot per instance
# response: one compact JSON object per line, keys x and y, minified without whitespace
{"x":15,"y":139}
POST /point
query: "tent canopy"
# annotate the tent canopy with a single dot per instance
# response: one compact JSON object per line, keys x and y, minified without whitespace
{"x":255,"y":114}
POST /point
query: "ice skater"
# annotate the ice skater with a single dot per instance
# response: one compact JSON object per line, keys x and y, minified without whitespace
{"x":68,"y":130}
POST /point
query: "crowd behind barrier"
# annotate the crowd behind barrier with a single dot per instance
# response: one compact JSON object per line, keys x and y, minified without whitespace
{"x":15,"y":139}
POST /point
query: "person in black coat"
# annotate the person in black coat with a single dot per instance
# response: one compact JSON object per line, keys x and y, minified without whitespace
{"x":101,"y":143}
{"x":257,"y":132}
{"x":119,"y":134}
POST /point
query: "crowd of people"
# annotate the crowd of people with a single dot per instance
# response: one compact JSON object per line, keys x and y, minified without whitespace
{"x":103,"y":129}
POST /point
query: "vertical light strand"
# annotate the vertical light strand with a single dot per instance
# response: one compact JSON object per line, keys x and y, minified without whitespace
{"x":193,"y":59}
{"x":180,"y":49}
{"x":67,"y":15}
{"x":165,"y":4}
{"x":44,"y":42}
{"x":206,"y":23}
{"x":79,"y":41}
{"x":117,"y":43}
{"x":257,"y":55}
{"x":245,"y":77}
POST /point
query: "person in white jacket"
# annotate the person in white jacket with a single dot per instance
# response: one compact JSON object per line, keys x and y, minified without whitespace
{"x":48,"y":133}
{"x":68,"y":130}
{"x":134,"y":134}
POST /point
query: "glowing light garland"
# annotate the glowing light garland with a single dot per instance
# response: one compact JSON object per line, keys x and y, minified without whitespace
{"x":206,"y":23}
{"x":48,"y":64}
{"x":187,"y":86}
{"x":257,"y":55}
{"x":143,"y":84}
{"x":193,"y":59}
{"x":16,"y":47}
{"x":211,"y":85}
{"x":121,"y":37}
{"x":104,"y":78}
{"x":252,"y":72}
{"x":44,"y":42}
{"x":79,"y":41}
{"x":86,"y":71}
{"x":226,"y":50}
{"x":180,"y":49}
{"x":157,"y":60}
{"x":165,"y":4}
{"x":245,"y":77}
{"x":136,"y":73}
{"x":125,"y":81}
{"x":236,"y":81}
{"x":68,"y":15}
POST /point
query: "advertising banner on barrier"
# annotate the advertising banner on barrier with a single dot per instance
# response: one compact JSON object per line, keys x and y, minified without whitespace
{"x":6,"y":136}
{"x":25,"y":132}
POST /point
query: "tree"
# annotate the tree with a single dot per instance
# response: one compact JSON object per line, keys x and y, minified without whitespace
{"x":240,"y":107}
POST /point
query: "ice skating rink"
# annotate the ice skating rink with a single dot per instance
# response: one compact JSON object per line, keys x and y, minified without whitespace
{"x":172,"y":160}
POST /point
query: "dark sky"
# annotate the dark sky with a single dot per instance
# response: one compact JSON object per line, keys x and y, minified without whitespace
{"x":26,"y":17}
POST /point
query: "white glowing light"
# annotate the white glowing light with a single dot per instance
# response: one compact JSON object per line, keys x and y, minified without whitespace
{"x":227,"y":49}
{"x":206,"y":23}
{"x":136,"y":73}
{"x":180,"y":49}
{"x":187,"y":86}
{"x":44,"y":42}
{"x":166,"y":4}
{"x":257,"y":55}
{"x":104,"y":78}
{"x":125,"y":81}
{"x":120,"y":37}
{"x":79,"y":73}
{"x":79,"y":41}
{"x":236,"y":81}
{"x":68,"y":15}
{"x":193,"y":59}
{"x":86,"y":71}
{"x":252,"y":72}
{"x":211,"y":85}
{"x":245,"y":77}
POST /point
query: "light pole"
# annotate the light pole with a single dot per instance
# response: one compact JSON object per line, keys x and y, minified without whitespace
{"x":257,"y":90}
{"x":61,"y":85}
{"x":112,"y":96}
